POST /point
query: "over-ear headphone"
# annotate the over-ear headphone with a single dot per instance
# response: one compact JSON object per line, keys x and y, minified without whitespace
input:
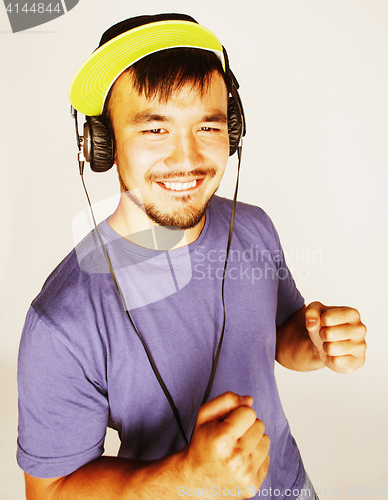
{"x":98,"y":143}
{"x":124,"y":44}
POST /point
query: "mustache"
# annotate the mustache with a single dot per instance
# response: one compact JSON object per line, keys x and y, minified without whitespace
{"x":197,"y":172}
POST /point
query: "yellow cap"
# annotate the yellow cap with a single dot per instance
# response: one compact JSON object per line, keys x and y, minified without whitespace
{"x":91,"y":83}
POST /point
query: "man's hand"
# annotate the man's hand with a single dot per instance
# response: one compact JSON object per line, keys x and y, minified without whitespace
{"x":229,"y":449}
{"x":338,"y":336}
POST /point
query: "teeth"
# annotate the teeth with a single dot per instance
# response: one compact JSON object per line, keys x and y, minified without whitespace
{"x":180,"y":186}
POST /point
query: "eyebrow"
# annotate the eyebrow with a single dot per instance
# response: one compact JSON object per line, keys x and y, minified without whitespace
{"x":148,"y":117}
{"x":216,"y":118}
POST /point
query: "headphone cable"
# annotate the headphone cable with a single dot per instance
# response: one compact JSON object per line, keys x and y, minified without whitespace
{"x":81,"y":162}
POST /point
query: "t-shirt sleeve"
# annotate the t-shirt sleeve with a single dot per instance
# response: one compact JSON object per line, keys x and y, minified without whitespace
{"x":63,"y":410}
{"x":290,"y":299}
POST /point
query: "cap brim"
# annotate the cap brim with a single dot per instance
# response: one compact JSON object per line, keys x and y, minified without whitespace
{"x":91,"y":83}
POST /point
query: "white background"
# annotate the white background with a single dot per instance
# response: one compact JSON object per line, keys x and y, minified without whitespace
{"x":314,"y":80}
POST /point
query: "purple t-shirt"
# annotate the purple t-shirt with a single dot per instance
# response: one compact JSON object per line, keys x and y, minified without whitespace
{"x":82,"y":368}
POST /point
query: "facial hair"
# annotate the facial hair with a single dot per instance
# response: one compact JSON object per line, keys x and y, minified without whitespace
{"x":185,"y":218}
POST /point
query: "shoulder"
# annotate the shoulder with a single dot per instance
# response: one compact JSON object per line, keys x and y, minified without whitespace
{"x":69,"y":287}
{"x":249,"y":219}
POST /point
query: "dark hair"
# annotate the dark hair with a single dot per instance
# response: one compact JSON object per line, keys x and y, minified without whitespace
{"x":167,"y":71}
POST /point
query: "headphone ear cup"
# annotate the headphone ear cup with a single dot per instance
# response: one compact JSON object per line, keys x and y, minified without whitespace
{"x":86,"y":143}
{"x":101,"y":148}
{"x":234,"y":125}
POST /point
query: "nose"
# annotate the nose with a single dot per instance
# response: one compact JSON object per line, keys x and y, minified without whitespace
{"x":185,"y":153}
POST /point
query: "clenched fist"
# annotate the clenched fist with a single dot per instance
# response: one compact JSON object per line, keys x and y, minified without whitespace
{"x":228,"y":449}
{"x":338,"y":336}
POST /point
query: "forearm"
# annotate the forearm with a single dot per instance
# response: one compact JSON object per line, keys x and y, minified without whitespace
{"x":113,"y":478}
{"x":294,"y":349}
{"x":228,"y":450}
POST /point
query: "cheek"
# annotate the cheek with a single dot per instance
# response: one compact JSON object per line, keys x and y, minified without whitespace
{"x":220,"y":152}
{"x":137,"y":152}
{"x":130,"y":158}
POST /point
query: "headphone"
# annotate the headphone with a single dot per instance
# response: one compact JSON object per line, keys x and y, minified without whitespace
{"x":97,"y":141}
{"x":96,"y":146}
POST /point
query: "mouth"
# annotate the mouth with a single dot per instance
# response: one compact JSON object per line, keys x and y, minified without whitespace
{"x":180,"y":186}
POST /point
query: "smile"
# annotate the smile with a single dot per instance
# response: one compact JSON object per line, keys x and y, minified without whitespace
{"x":179,"y":186}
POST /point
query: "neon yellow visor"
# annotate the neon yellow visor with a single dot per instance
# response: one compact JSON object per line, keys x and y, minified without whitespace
{"x":91,"y":83}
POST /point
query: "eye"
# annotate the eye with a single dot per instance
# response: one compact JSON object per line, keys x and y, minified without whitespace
{"x":155,"y":131}
{"x":209,"y":129}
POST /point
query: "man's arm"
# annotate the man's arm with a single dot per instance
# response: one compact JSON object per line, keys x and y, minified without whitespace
{"x":318,"y":335}
{"x":228,"y":450}
{"x":112,"y":478}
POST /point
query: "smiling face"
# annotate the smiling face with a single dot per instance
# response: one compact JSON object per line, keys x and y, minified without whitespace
{"x":171,"y":155}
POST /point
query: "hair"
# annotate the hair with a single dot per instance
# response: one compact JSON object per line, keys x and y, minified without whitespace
{"x":165,"y":72}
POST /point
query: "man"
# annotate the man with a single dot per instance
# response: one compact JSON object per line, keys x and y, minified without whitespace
{"x":175,"y":352}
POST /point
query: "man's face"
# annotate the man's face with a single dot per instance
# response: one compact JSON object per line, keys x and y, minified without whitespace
{"x":174,"y":153}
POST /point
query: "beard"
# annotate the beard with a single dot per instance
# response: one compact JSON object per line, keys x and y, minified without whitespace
{"x":184,"y":217}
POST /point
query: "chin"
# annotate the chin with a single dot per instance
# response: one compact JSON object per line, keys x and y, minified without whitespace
{"x":184,"y":219}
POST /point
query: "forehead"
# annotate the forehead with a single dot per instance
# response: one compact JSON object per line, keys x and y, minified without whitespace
{"x":124,"y":95}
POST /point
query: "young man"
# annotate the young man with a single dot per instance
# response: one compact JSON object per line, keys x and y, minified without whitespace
{"x":175,"y":352}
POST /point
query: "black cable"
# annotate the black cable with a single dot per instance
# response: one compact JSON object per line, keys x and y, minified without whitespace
{"x":152,"y":363}
{"x":218,"y":352}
